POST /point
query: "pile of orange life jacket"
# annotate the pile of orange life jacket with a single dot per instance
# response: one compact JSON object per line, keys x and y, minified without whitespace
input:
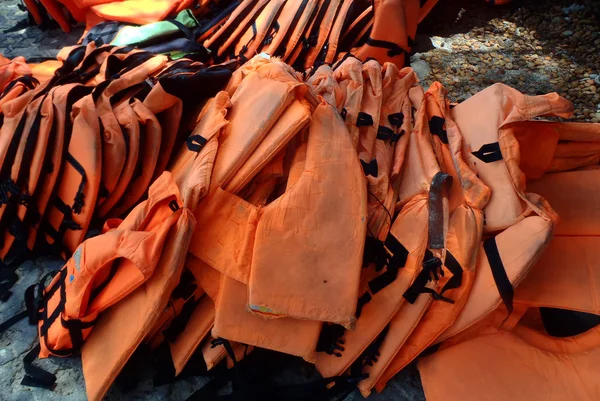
{"x":344,"y":216}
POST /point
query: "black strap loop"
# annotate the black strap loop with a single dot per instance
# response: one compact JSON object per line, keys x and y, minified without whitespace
{"x":393,"y":48}
{"x":396,"y":119}
{"x":78,"y":201}
{"x":436,"y":127}
{"x":330,"y":339}
{"x":501,"y":279}
{"x":34,"y":376}
{"x":370,"y":168}
{"x":364,"y":120}
{"x":489,"y":153}
{"x":385,"y":133}
{"x":195,"y":143}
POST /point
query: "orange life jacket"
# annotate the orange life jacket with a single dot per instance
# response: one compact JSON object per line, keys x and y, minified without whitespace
{"x":141,"y":308}
{"x":105,"y":269}
{"x":491,"y":136}
{"x":394,"y":27}
{"x":512,"y":359}
{"x":466,"y":199}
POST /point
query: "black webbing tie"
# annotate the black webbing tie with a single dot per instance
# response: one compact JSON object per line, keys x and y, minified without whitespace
{"x":330,"y":339}
{"x":362,"y":301}
{"x":180,"y":321}
{"x":385,"y":133}
{"x":370,"y":168}
{"x":436,"y":126}
{"x":13,"y":320}
{"x":489,"y":153}
{"x":364,"y":120}
{"x":184,"y":29}
{"x":375,"y":253}
{"x":225,"y":343}
{"x":501,"y":279}
{"x":195,"y":143}
{"x":396,"y":119}
{"x":396,"y":261}
{"x":457,"y":273}
{"x":432,"y":270}
{"x":393,"y":48}
{"x":78,"y":201}
{"x":34,"y":376}
{"x":370,"y":355}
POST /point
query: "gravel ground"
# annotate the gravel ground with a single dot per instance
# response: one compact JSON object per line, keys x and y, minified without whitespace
{"x":536,"y":47}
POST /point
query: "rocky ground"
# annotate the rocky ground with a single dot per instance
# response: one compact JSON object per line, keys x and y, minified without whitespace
{"x":534,"y":46}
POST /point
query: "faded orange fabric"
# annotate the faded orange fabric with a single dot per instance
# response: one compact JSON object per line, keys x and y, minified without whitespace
{"x":108,"y":267}
{"x":11,"y":69}
{"x":239,"y":27}
{"x":141,"y":309}
{"x":382,"y":291}
{"x":523,"y":354}
{"x":130,"y":127}
{"x":349,"y":76}
{"x":308,"y":14}
{"x":335,"y":34}
{"x":150,"y":142}
{"x":252,"y":39}
{"x":394,"y":28}
{"x":192,"y":167}
{"x":63,"y":99}
{"x":325,"y":85}
{"x":465,"y":227}
{"x":73,"y":189}
{"x":486,"y":119}
{"x":232,"y":22}
{"x":26,"y":171}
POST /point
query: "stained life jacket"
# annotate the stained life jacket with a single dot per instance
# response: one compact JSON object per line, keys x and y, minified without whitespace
{"x":466,"y":199}
{"x":495,"y":157}
{"x":385,"y":284}
{"x":557,"y":321}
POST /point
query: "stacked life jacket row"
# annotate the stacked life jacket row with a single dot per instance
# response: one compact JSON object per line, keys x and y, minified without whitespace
{"x":85,"y":144}
{"x":350,"y":219}
{"x":304,"y":34}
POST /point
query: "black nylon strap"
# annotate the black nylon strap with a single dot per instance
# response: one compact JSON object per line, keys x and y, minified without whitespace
{"x":457,"y":272}
{"x":184,"y":29}
{"x":12,"y":320}
{"x":436,"y":127}
{"x":396,"y":119}
{"x":78,"y":201}
{"x":291,"y":28}
{"x":399,"y":254}
{"x":362,"y":301}
{"x":385,"y":133}
{"x":393,"y":48}
{"x":364,"y":120}
{"x":330,"y":339}
{"x":195,"y":143}
{"x":370,"y":168}
{"x":489,"y":153}
{"x":34,"y":376}
{"x":501,"y":279}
